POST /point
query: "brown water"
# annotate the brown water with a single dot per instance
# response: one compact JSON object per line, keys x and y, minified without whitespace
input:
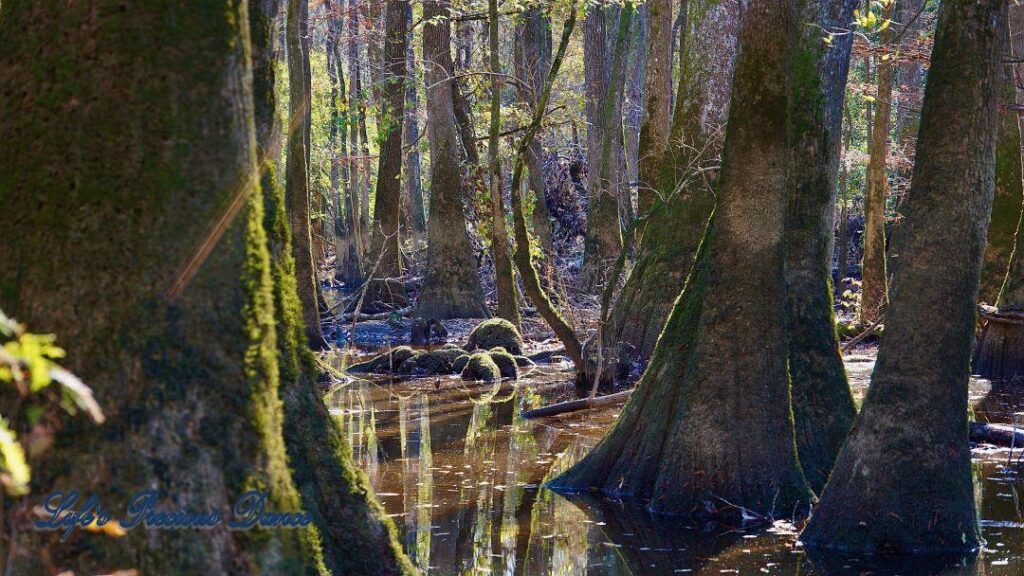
{"x":462,"y":476}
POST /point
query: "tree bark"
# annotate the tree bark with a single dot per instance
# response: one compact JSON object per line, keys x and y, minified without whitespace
{"x":695,"y":437}
{"x":356,"y":538}
{"x":657,"y":119}
{"x":903,"y":480}
{"x":823,"y":407}
{"x":874,"y":275}
{"x":684,"y":174}
{"x":603,"y":237}
{"x":386,"y":289}
{"x":417,"y":219}
{"x":297,"y":174}
{"x":508,"y":304}
{"x":347,"y":256}
{"x":134,"y":170}
{"x":452,"y":287}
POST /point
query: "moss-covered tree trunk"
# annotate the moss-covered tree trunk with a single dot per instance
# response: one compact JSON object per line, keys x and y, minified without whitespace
{"x":874,"y":275}
{"x":999,"y":353}
{"x":684,"y":178}
{"x":508,"y":301}
{"x":133,"y":168}
{"x":452,"y":287}
{"x":1009,"y":192}
{"x":297,"y":172}
{"x":603,"y":238}
{"x":696,"y":436}
{"x":386,"y":288}
{"x":903,"y":479}
{"x":823,"y":407}
{"x":356,"y":538}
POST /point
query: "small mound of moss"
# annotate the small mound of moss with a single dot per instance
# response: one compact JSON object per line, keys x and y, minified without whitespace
{"x":506,"y":363}
{"x":524,"y":362}
{"x":460,"y":363}
{"x":480,"y":367}
{"x":383,"y":363}
{"x":496,"y":332}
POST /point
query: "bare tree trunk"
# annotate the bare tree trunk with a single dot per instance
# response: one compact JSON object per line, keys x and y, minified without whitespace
{"x":386,"y":289}
{"x":297,"y":174}
{"x":903,"y":481}
{"x":696,"y":437}
{"x":657,"y":123}
{"x":347,"y":253}
{"x":508,"y":305}
{"x":452,"y":287}
{"x":417,"y":220}
{"x":874,"y":277}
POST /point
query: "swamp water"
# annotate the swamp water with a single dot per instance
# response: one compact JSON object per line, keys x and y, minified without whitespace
{"x":461,"y":474}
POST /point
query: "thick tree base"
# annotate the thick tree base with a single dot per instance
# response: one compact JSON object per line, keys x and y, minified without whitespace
{"x":999,"y":353}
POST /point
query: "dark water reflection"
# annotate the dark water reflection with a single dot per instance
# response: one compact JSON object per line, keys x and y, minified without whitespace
{"x":461,"y":473}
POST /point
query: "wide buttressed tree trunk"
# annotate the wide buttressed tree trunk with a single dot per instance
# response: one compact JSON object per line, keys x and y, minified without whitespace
{"x":297,"y":173}
{"x":696,"y":437}
{"x":823,"y":407}
{"x":452,"y":287}
{"x":903,"y":480}
{"x":386,"y":289}
{"x":679,"y":176}
{"x":134,"y":171}
{"x":603,"y":237}
{"x":874,"y":275}
{"x":355,"y":536}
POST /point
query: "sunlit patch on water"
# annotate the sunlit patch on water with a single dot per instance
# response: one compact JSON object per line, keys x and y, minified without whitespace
{"x":461,"y":475}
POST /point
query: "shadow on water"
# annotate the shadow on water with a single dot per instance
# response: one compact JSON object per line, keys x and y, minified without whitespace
{"x":461,"y":474}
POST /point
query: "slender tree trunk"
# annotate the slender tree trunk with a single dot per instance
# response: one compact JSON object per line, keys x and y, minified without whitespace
{"x":386,"y":289}
{"x":874,"y":277}
{"x":532,"y":60}
{"x":356,"y":111}
{"x":823,"y":407}
{"x":657,"y":123}
{"x":696,"y":437}
{"x":603,"y":238}
{"x":410,"y":141}
{"x":297,"y":176}
{"x":508,"y":305}
{"x":452,"y":287}
{"x":903,"y":480}
{"x":356,"y":538}
{"x":156,"y":275}
{"x":843,"y":256}
{"x":347,"y":252}
{"x":684,"y":175}
{"x":911,"y":17}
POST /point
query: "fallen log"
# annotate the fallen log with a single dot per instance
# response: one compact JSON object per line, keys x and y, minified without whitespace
{"x":577,"y":405}
{"x":997,"y":434}
{"x":401,"y":312}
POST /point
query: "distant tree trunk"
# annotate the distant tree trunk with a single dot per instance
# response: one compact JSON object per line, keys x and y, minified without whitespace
{"x":386,"y":289}
{"x":632,"y":119}
{"x":508,"y":305}
{"x":452,"y":287}
{"x":843,"y":256}
{"x":410,"y":141}
{"x":911,"y":17}
{"x":683,"y":178}
{"x":903,"y":481}
{"x":297,"y":175}
{"x":356,"y":112}
{"x":657,"y":119}
{"x":603,"y":237}
{"x":696,"y":437}
{"x":347,"y":253}
{"x":874,"y":278}
{"x":532,"y":60}
{"x":823,"y":407}
{"x":355,"y":535}
{"x":135,"y":174}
